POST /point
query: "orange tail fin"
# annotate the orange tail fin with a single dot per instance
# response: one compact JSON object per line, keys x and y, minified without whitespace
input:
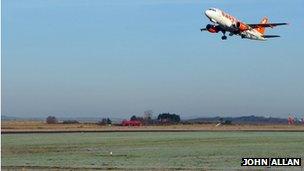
{"x":262,"y":29}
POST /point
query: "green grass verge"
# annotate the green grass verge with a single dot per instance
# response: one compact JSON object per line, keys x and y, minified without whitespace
{"x":147,"y":149}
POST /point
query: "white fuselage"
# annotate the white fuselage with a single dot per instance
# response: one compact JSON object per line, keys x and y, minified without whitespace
{"x":228,"y":23}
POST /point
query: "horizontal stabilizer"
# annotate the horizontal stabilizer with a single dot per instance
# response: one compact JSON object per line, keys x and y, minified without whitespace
{"x":270,"y":36}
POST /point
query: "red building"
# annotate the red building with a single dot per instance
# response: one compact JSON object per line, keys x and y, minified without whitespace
{"x":130,"y":123}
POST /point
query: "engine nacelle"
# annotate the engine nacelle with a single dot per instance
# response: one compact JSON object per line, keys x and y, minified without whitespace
{"x":241,"y":26}
{"x":212,"y":28}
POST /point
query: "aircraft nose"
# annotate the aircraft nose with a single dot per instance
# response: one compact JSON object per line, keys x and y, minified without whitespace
{"x":208,"y":13}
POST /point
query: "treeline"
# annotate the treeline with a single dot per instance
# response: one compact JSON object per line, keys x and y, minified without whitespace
{"x":162,"y":118}
{"x":171,"y":118}
{"x":54,"y":120}
{"x":146,"y":119}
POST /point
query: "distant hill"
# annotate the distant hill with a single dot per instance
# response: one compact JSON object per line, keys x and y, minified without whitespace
{"x":13,"y":118}
{"x":88,"y":119}
{"x":8,"y":118}
{"x":241,"y":120}
{"x":80,"y":119}
{"x":234,"y":120}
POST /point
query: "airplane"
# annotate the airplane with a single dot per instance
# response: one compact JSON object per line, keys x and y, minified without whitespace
{"x":223,"y":22}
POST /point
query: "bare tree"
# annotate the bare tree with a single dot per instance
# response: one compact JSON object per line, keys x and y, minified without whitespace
{"x":51,"y":120}
{"x":105,"y":121}
{"x":148,"y":114}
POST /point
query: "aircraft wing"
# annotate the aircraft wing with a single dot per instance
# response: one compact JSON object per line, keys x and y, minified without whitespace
{"x":266,"y":25}
{"x":270,"y":36}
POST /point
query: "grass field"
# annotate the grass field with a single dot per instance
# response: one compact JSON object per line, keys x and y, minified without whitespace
{"x":144,"y":150}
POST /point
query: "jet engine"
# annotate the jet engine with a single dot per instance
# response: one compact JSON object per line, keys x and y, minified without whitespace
{"x":212,"y":28}
{"x":241,"y":26}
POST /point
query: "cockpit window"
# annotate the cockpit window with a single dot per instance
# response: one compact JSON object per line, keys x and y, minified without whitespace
{"x":212,"y":9}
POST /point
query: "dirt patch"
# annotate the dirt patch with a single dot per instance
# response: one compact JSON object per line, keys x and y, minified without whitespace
{"x":41,"y":127}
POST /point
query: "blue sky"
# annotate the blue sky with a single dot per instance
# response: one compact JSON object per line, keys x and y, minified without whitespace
{"x":117,"y":58}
